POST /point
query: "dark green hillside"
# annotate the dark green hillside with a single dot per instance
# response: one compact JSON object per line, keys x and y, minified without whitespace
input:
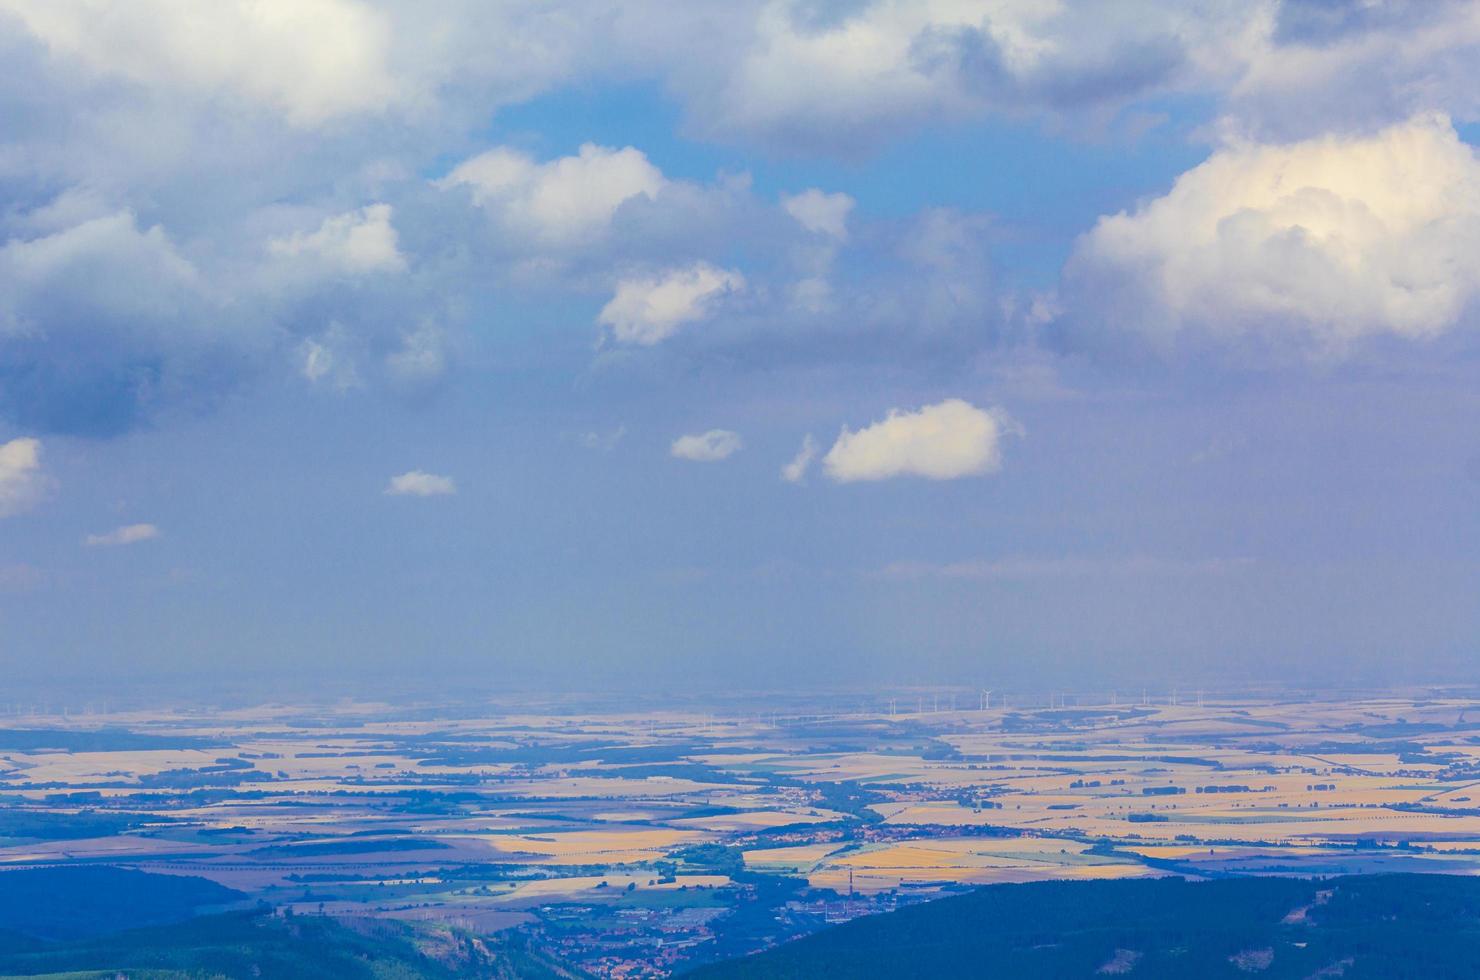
{"x":1376,"y":926}
{"x":73,"y":902}
{"x":261,"y":946}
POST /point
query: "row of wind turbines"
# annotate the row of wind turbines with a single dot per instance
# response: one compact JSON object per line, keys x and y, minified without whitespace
{"x":1055,"y":701}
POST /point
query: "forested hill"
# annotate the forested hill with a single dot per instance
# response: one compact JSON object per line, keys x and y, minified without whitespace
{"x":98,"y":923}
{"x":1370,"y":926}
{"x":257,"y":946}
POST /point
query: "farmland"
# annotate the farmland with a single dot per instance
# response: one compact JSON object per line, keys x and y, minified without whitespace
{"x":642,"y":840}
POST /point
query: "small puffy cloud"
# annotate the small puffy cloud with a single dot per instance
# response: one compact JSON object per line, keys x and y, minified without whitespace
{"x":939,"y":442}
{"x":561,"y":202}
{"x":1326,"y":240}
{"x":710,"y":447}
{"x":819,"y":213}
{"x":128,"y":534}
{"x":310,"y":60}
{"x":353,"y":243}
{"x":416,"y":483}
{"x":23,"y":484}
{"x":796,"y":470}
{"x":647,"y":310}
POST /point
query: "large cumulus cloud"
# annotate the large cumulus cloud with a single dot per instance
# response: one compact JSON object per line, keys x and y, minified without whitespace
{"x":1321,"y":242}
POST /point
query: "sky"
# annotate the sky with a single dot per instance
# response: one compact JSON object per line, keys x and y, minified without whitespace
{"x":764,"y":343}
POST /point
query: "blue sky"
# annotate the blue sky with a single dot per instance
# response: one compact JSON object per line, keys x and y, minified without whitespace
{"x":859,"y":343}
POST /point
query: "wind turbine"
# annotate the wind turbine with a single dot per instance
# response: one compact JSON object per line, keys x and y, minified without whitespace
{"x":986,"y":700}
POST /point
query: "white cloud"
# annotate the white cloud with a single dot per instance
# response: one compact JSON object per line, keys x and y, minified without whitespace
{"x":103,"y":268}
{"x":796,"y":470}
{"x":819,"y":74}
{"x":647,"y":310}
{"x":128,"y":534}
{"x":310,"y":60}
{"x":339,"y":359}
{"x":353,"y":243}
{"x":328,"y":359}
{"x":939,"y":442}
{"x":110,"y":320}
{"x":851,"y":73}
{"x":318,"y":361}
{"x":1316,"y":67}
{"x":239,"y":122}
{"x":820,"y":213}
{"x":22,"y":482}
{"x":1332,"y":239}
{"x":849,"y":76}
{"x":567,"y":201}
{"x":710,"y":447}
{"x":844,"y":77}
{"x":416,"y":483}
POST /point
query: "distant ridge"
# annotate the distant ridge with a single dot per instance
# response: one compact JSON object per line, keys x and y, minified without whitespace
{"x":1367,"y":926}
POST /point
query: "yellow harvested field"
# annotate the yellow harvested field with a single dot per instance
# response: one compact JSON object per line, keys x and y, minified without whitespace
{"x":866,"y":877}
{"x":972,"y":860}
{"x":89,"y":766}
{"x":593,"y":846}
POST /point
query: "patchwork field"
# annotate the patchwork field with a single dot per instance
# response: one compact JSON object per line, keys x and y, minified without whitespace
{"x":600,"y":831}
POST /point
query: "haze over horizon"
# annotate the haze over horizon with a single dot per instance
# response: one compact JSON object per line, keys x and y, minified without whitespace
{"x":766,"y":343}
